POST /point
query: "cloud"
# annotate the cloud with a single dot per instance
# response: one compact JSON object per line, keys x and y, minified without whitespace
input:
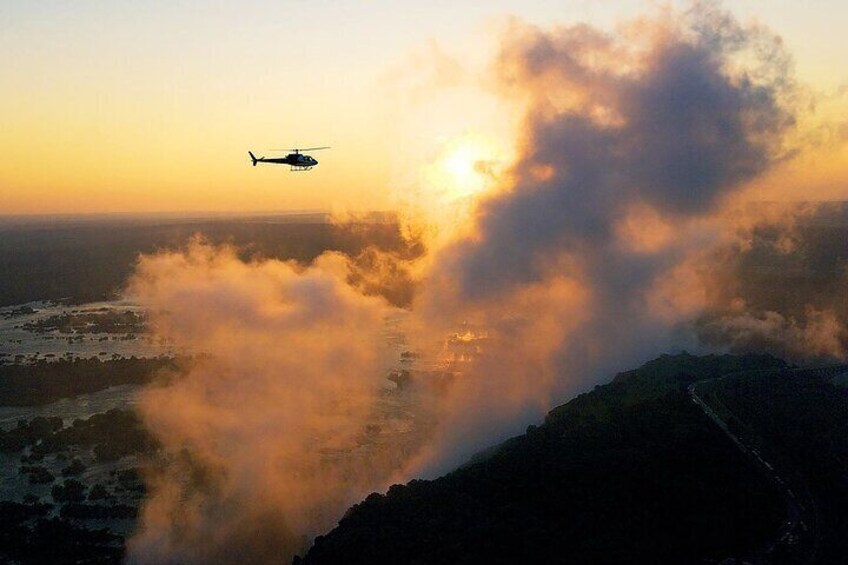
{"x":285,"y":382}
{"x":595,"y":257}
{"x":676,"y":131}
{"x":819,"y":333}
{"x":616,"y":229}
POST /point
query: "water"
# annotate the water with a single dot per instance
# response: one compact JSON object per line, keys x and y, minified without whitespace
{"x":22,"y":345}
{"x":14,"y":484}
{"x":400,"y":421}
{"x":69,"y":409}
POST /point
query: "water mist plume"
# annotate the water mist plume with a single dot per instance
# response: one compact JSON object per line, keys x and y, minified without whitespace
{"x":590,"y":260}
{"x":290,"y":376}
{"x":595,"y":253}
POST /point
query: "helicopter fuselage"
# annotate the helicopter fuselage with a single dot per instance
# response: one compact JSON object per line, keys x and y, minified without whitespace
{"x":293,"y":159}
{"x":297,"y":161}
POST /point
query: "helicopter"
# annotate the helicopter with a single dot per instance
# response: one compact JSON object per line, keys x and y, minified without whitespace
{"x":296,"y":160}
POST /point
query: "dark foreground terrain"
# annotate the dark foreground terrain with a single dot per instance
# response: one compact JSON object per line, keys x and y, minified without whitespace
{"x":632,"y":472}
{"x":797,"y":422}
{"x":84,"y":492}
{"x":70,"y":469}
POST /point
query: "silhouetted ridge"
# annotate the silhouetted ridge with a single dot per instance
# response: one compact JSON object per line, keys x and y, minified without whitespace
{"x":632,"y":472}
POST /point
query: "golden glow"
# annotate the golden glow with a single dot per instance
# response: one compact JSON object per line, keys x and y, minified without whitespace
{"x":109,"y":107}
{"x":644,"y":230}
{"x":467,"y":166}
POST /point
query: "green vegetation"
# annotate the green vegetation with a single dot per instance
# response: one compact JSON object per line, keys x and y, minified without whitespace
{"x":70,"y":491}
{"x":24,"y":310}
{"x":108,"y":437}
{"x":46,"y":446}
{"x":111,"y":435}
{"x":98,"y":492}
{"x":28,"y":433}
{"x":653,"y":380}
{"x":103,"y":320}
{"x":38,"y":475}
{"x":27,"y":537}
{"x":44,"y":382}
{"x":75,"y":468}
{"x":798,"y":420}
{"x":632,"y":472}
{"x":129,"y":478}
{"x":79,"y":511}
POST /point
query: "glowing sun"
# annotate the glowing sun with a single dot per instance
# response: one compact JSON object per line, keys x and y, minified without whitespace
{"x":466,"y":166}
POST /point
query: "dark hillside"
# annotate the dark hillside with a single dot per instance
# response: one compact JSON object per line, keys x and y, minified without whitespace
{"x":632,"y":472}
{"x":798,"y":420}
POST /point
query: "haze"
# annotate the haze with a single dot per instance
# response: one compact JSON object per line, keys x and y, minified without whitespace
{"x":126,"y":108}
{"x":525,"y":199}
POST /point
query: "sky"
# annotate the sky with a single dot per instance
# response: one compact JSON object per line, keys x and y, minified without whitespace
{"x":113,"y":107}
{"x":621,"y":192}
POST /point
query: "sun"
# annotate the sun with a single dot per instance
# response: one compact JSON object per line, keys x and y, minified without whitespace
{"x":461,"y":168}
{"x":456,"y":175}
{"x":465,"y":167}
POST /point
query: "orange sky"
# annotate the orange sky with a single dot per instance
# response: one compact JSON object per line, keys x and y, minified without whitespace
{"x":123,"y":108}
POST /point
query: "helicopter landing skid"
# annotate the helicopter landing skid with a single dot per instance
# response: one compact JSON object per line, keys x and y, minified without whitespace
{"x":295,"y":169}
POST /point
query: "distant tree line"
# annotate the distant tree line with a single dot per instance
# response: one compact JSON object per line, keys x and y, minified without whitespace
{"x":90,"y":262}
{"x":43,"y":382}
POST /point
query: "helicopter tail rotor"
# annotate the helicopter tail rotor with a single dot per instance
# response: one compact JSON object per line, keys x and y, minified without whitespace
{"x":252,"y":158}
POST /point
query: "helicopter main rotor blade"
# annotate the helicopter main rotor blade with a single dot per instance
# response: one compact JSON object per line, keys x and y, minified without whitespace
{"x":299,"y":149}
